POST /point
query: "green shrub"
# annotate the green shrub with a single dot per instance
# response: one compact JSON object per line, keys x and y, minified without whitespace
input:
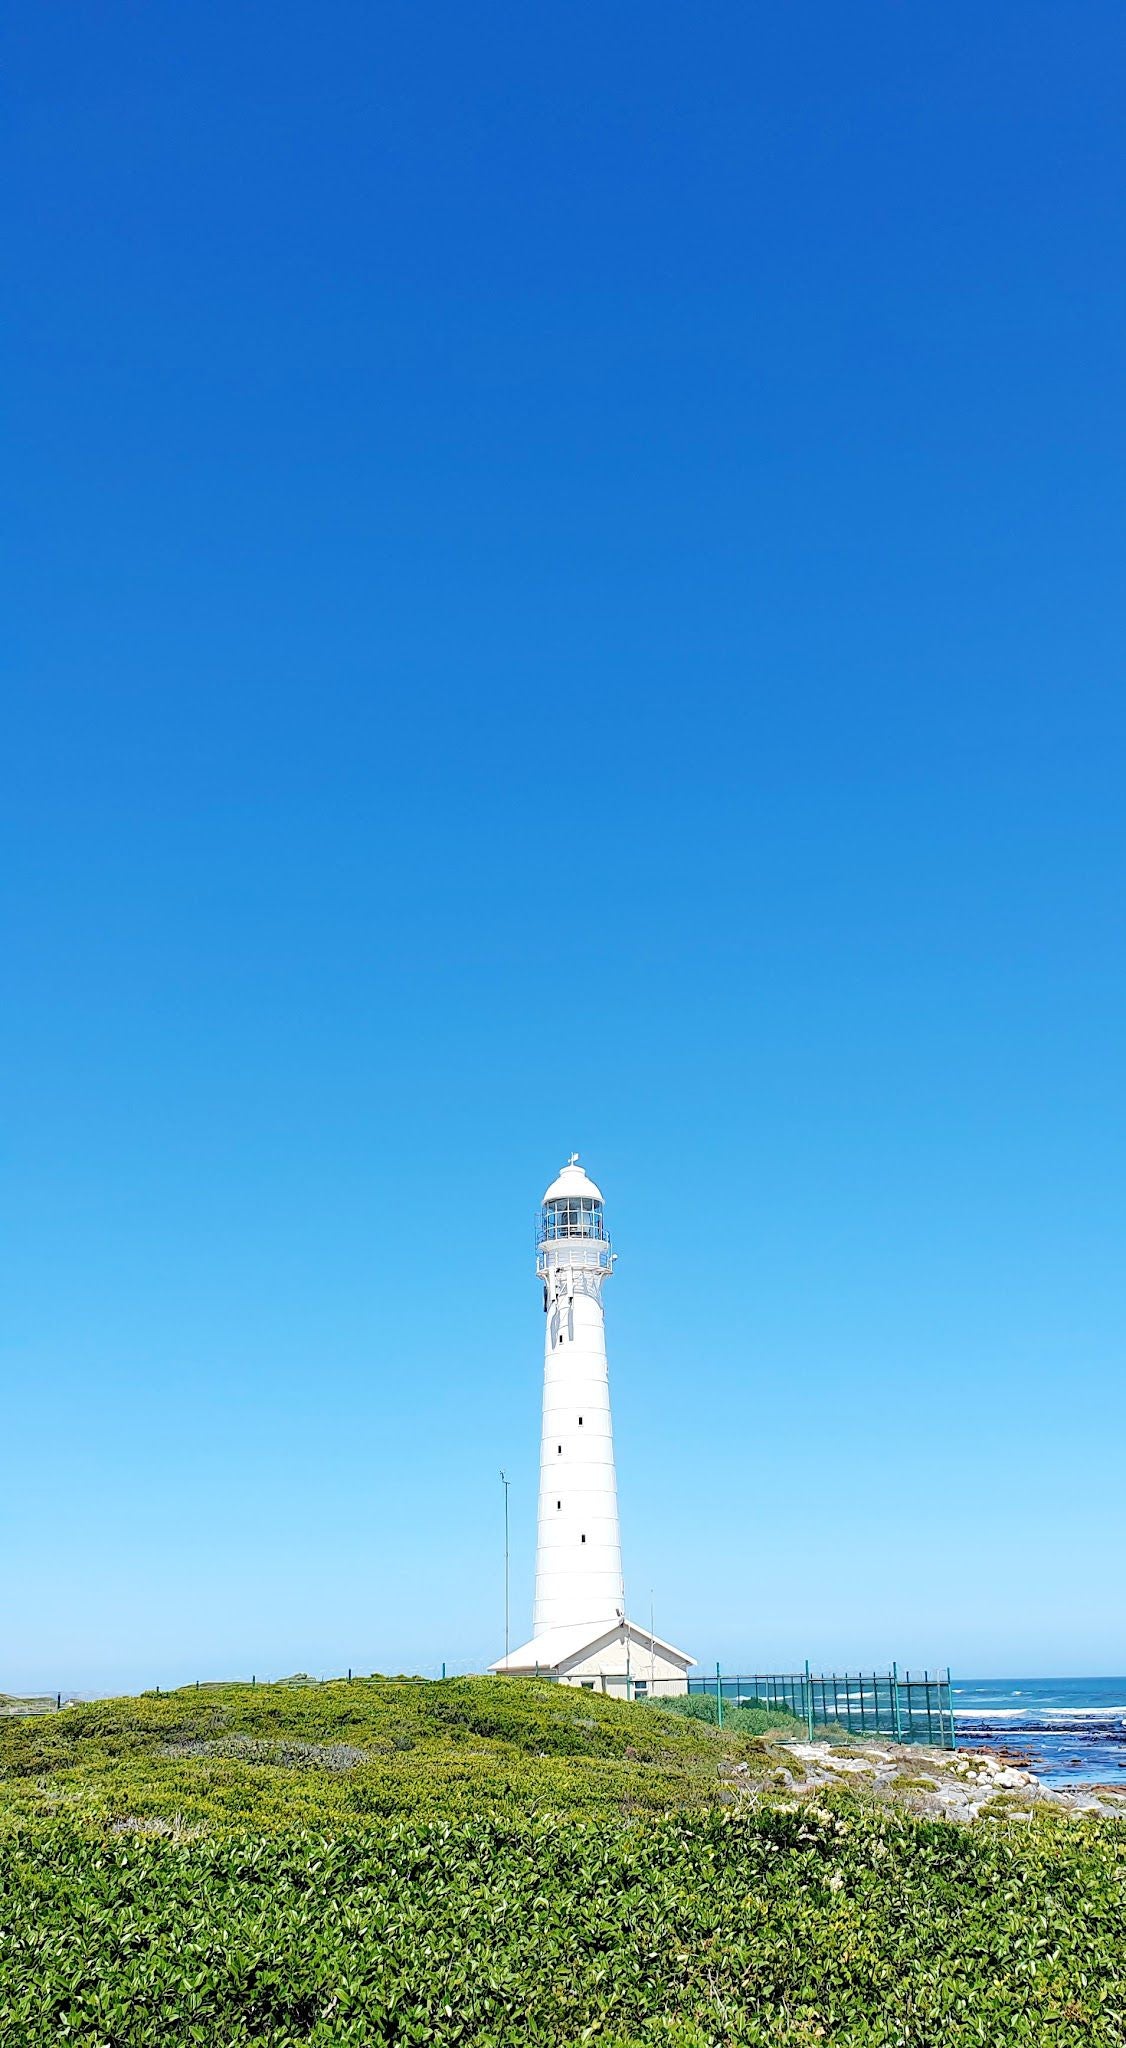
{"x":323,"y":1756}
{"x":747,"y":1717}
{"x":738,"y":1930}
{"x":509,"y":1864}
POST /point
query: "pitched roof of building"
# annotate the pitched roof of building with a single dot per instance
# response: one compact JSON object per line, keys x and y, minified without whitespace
{"x":557,"y":1645}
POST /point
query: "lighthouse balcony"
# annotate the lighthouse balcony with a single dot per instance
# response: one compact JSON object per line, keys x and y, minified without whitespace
{"x":573,"y":1254}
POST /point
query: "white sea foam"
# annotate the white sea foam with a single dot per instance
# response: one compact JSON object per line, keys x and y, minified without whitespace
{"x":1040,"y":1713}
{"x":991,"y":1713}
{"x":1084,"y":1713}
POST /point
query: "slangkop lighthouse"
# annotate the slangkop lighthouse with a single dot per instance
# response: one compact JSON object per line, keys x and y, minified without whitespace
{"x":578,"y":1547}
{"x":580,"y":1629}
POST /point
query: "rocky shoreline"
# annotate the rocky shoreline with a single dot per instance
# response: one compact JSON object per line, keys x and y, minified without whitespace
{"x":943,"y":1784}
{"x":1056,"y":1744}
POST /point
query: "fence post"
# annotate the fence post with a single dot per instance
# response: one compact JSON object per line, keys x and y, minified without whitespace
{"x":807,"y":1692}
{"x":718,"y":1699}
{"x":443,"y":1667}
{"x":950,"y":1710}
{"x":895,"y":1702}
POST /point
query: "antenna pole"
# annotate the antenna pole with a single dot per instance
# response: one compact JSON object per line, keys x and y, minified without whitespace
{"x":505,"y":1482}
{"x":652,"y":1645}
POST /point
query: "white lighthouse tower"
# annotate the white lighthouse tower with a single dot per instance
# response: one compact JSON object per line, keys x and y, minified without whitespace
{"x":580,"y":1629}
{"x":579,"y":1548}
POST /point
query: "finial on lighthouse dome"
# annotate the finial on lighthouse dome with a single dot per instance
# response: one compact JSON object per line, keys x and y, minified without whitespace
{"x":571,"y":1183}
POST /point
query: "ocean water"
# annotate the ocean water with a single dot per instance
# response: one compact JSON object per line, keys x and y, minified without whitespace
{"x":1071,"y":1731}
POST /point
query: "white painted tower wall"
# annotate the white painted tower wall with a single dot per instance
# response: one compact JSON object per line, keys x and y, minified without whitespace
{"x":579,"y":1551}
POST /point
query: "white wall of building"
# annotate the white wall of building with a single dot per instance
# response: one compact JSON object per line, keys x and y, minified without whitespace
{"x":643,"y":1670}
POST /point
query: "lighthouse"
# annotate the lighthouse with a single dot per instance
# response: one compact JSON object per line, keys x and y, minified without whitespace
{"x":580,"y":1630}
{"x":578,"y":1547}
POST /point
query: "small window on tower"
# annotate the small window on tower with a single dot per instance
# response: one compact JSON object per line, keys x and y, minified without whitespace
{"x":559,"y":1450}
{"x":558,"y":1503}
{"x":580,"y":1421}
{"x":582,"y":1539}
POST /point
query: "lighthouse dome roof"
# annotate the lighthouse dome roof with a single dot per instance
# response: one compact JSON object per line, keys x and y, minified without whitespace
{"x":572,"y":1184}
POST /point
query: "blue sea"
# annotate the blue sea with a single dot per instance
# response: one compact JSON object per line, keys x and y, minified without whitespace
{"x":1070,"y":1731}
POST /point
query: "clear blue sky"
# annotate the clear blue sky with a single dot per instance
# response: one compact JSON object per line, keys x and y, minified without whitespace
{"x":565,"y":592}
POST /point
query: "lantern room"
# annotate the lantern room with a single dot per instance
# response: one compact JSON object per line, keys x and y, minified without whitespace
{"x":571,"y":1227}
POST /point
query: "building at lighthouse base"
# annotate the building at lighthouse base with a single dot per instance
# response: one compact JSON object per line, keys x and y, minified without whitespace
{"x":616,"y":1657}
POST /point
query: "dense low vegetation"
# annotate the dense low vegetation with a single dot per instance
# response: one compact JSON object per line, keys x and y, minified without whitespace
{"x":746,"y":1717}
{"x":333,"y":1754}
{"x":525,"y":1866}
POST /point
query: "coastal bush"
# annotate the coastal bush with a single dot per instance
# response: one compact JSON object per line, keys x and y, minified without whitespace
{"x":337,"y":1754}
{"x":743,"y":1717}
{"x":820,"y":1923}
{"x":494,"y":1863}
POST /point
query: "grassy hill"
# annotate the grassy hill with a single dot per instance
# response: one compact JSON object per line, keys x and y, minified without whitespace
{"x":343,"y":1752}
{"x":511,"y":1865}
